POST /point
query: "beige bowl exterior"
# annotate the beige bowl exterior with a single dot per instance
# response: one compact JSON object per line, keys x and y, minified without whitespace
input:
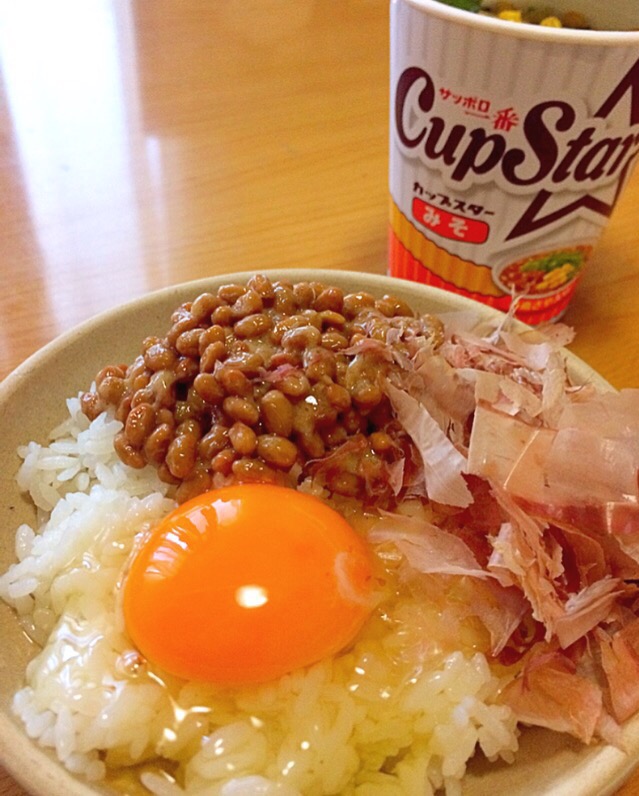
{"x":32,"y":402}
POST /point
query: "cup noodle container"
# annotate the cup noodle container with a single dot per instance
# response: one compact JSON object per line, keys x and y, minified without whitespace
{"x":509,"y":146}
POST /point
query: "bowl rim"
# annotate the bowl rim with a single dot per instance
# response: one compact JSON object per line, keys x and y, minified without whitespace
{"x":368,"y":281}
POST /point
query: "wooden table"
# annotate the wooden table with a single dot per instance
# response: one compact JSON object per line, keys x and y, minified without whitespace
{"x":148,"y":143}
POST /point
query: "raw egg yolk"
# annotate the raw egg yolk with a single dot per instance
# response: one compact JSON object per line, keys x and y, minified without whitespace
{"x":246,"y":583}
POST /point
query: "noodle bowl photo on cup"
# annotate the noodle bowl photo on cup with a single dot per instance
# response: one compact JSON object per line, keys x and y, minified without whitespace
{"x":318,"y":533}
{"x":543,"y":279}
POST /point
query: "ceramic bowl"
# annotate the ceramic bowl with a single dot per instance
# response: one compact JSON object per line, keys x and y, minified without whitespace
{"x":32,"y":402}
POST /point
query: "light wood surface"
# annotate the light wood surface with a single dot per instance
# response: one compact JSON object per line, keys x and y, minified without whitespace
{"x":148,"y":143}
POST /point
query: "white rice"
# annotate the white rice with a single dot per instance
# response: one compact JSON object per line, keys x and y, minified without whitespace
{"x":329,"y":729}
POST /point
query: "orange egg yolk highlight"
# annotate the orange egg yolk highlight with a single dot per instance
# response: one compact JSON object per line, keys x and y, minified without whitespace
{"x":247,"y":583}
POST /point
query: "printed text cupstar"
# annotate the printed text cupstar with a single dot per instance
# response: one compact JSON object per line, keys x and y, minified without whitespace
{"x":561,"y":148}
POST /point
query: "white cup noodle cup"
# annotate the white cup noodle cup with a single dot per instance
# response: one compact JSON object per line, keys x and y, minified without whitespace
{"x":509,"y":146}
